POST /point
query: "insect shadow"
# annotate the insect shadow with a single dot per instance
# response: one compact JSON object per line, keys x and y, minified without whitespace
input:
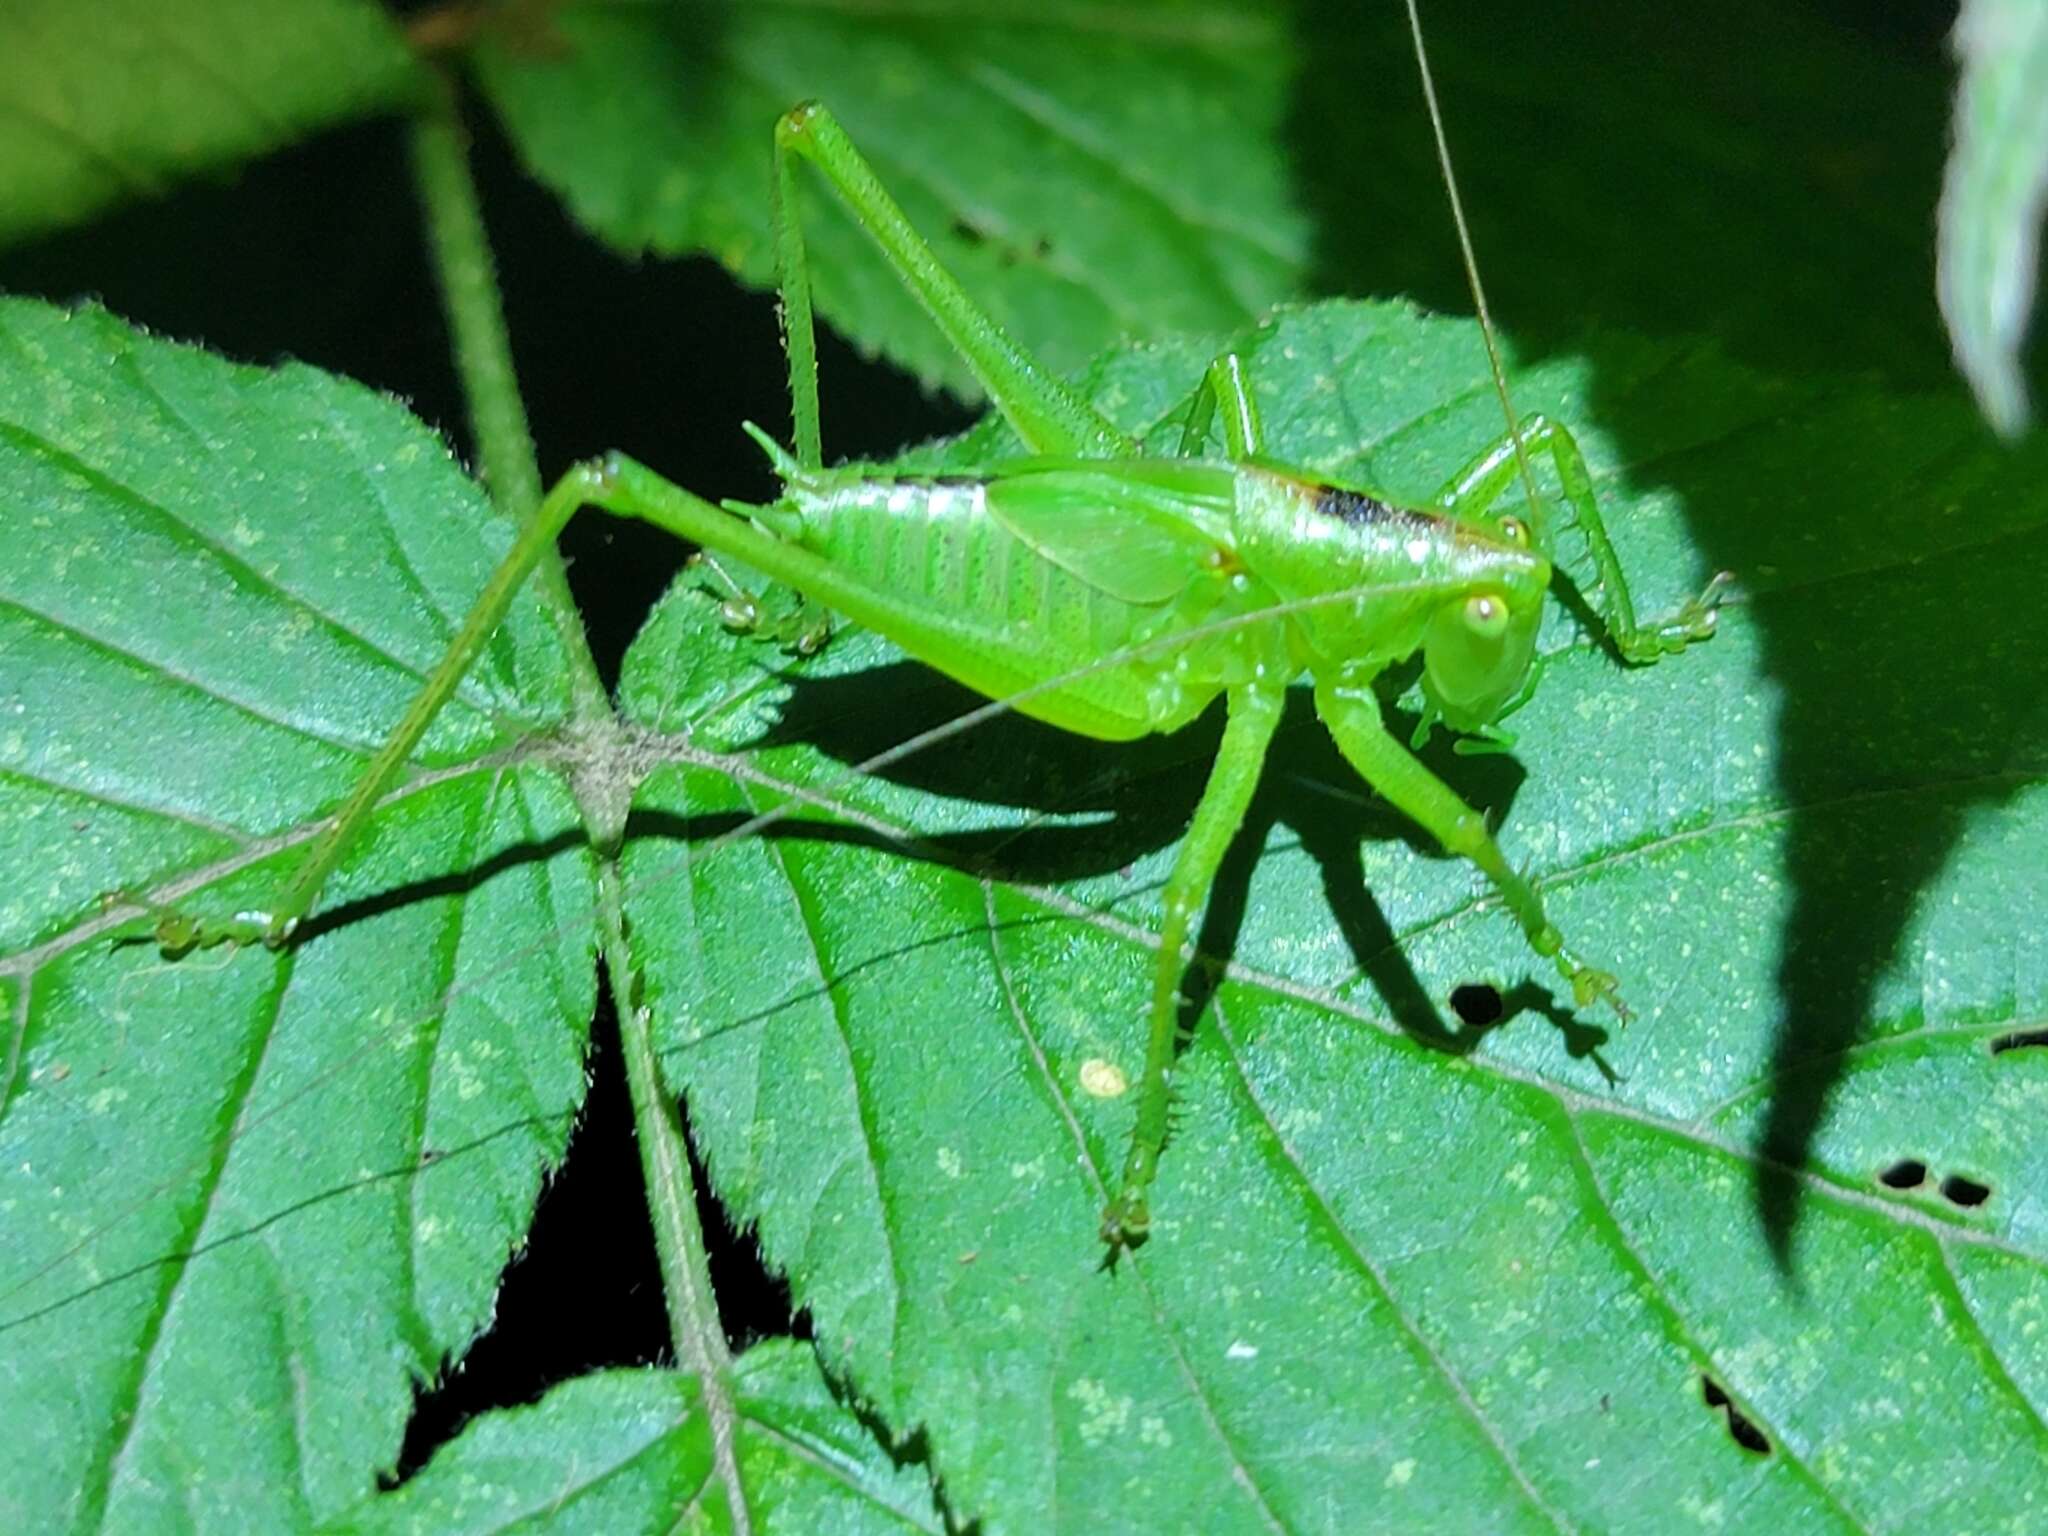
{"x":1144,"y":793}
{"x":1904,"y":714}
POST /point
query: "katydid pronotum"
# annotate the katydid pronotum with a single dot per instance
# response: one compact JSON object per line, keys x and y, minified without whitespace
{"x":1109,"y":594}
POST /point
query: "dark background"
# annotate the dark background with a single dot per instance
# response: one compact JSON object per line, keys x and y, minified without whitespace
{"x":316,"y":254}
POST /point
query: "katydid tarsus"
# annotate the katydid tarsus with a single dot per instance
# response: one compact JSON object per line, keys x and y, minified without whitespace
{"x":1112,"y":595}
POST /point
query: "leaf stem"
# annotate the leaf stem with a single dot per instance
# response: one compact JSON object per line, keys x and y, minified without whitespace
{"x":461,"y":251}
{"x":483,"y":356}
{"x":695,"y":1330}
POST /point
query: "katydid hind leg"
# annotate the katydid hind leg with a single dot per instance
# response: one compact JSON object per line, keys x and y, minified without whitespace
{"x":1049,"y":416}
{"x":1352,"y":713}
{"x":799,"y":328}
{"x":616,"y":485}
{"x":1254,"y":714}
{"x":178,"y":931}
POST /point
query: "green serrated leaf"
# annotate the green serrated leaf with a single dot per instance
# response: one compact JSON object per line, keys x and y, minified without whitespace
{"x":638,"y":1451}
{"x":123,"y":98}
{"x":1993,"y":199}
{"x":1411,"y":1272}
{"x":1089,"y":171}
{"x":251,"y":1200}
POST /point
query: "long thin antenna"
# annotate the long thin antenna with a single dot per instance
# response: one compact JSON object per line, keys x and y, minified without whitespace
{"x":1443,"y":157}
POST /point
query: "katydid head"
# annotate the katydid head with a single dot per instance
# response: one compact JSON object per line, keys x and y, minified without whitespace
{"x":1479,"y":644}
{"x":1475,"y":654}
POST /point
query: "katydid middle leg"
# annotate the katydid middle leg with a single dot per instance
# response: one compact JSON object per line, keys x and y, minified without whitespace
{"x":1255,"y":711}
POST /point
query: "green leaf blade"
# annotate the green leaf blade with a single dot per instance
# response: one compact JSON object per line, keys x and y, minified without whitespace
{"x":1408,"y":1272}
{"x":302,"y":1172}
{"x":633,"y":1451}
{"x":121,"y":100}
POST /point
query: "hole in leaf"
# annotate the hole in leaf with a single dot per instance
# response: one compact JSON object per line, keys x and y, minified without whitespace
{"x":1958,"y":1190}
{"x":1909,"y":1173}
{"x":2020,"y":1040}
{"x":1744,"y":1433}
{"x":1477,"y":1004}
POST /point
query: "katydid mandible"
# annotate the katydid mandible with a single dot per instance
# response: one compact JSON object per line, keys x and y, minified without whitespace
{"x":1111,"y":594}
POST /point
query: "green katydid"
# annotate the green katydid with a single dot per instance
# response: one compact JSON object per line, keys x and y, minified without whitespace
{"x":1109,"y":594}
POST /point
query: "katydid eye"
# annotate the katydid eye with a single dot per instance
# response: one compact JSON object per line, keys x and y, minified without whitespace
{"x":1486,"y":616}
{"x":1515,"y":531}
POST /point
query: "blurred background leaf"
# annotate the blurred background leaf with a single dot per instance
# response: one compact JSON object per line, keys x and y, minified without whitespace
{"x":116,"y":99}
{"x":1993,"y":197}
{"x":1090,"y":171}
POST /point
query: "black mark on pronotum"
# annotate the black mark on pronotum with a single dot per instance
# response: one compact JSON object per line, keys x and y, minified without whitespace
{"x":2021,"y":1040}
{"x":1744,"y":1433}
{"x":1359,"y":509}
{"x":1910,"y":1173}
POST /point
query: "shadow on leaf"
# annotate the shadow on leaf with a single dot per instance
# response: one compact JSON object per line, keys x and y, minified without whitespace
{"x":1883,"y":567}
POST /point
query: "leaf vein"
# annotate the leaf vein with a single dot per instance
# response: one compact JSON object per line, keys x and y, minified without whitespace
{"x":813,"y":943}
{"x":1241,"y":1472}
{"x":114,"y":802}
{"x":1363,"y":1263}
{"x":1661,"y":1299}
{"x":183,"y":530}
{"x":1987,"y":1348}
{"x":126,"y":1405}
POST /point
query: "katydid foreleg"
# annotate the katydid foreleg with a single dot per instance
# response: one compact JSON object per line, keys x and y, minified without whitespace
{"x":1473,"y":490}
{"x":1352,"y":712}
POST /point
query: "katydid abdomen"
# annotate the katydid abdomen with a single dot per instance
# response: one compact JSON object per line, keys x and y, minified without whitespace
{"x":978,"y":560}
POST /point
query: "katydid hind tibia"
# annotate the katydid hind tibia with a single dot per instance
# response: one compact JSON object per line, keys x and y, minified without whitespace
{"x":1112,"y":595}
